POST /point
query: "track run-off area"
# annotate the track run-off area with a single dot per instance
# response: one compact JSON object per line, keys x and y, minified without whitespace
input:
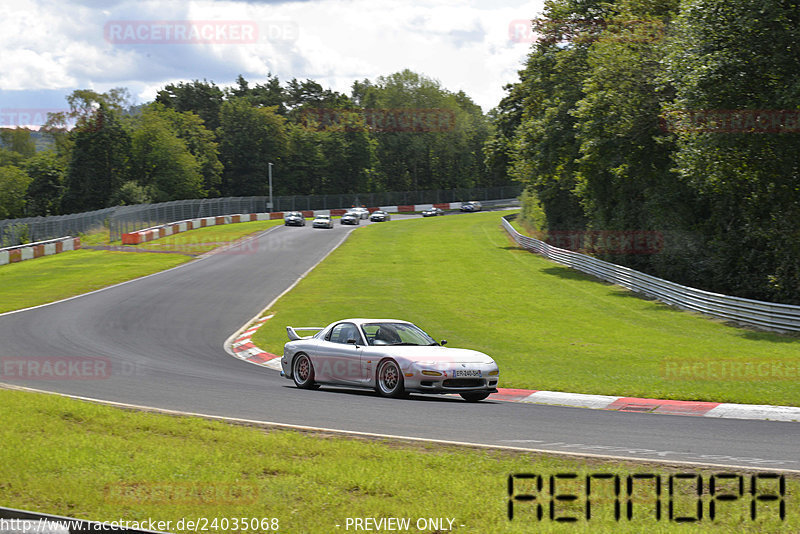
{"x":162,"y":338}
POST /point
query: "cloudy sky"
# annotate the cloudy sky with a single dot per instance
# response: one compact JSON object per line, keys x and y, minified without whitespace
{"x":51,"y":47}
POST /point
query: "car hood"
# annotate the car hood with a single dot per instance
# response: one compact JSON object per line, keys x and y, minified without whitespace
{"x":433,"y":354}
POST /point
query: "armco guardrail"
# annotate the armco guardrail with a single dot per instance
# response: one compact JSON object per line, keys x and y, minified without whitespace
{"x":767,"y":315}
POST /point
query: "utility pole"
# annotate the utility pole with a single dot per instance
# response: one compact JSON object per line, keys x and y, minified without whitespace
{"x":271,"y":208}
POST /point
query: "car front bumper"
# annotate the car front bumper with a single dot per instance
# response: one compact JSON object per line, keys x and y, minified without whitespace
{"x":419,"y":378}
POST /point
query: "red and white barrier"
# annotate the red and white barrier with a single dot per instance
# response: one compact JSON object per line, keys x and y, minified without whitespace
{"x":38,"y":249}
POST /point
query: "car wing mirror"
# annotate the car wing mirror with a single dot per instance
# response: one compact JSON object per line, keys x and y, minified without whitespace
{"x":443,"y":342}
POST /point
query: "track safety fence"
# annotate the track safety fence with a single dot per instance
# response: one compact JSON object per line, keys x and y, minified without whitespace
{"x":766,"y":315}
{"x":124,"y":219}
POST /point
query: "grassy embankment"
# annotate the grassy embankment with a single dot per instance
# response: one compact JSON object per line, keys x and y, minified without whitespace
{"x":96,"y":462}
{"x":51,"y":278}
{"x":549,"y":327}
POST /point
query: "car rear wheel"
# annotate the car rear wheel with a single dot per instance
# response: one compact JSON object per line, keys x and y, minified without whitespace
{"x":303,"y":372}
{"x":390,"y":379}
{"x":474,"y":396}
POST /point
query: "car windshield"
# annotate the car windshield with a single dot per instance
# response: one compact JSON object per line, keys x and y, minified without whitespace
{"x":396,"y":334}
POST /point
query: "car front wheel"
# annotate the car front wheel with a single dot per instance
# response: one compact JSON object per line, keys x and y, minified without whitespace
{"x":303,"y":372}
{"x":390,"y":379}
{"x":474,"y":396}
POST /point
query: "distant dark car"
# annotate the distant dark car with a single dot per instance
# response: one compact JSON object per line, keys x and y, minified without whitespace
{"x":433,"y":212}
{"x":472,"y":205}
{"x":351,"y":218}
{"x":294,"y":218}
{"x":322,"y":221}
{"x":380,"y":216}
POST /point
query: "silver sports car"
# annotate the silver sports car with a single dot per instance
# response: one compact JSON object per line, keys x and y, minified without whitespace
{"x":393,"y":357}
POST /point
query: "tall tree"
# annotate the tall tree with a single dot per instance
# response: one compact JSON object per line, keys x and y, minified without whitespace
{"x":18,"y":140}
{"x":742,"y":57}
{"x":13,"y":186}
{"x":99,"y":162}
{"x":161,"y":161}
{"x":47,"y":172}
{"x":250,"y":139}
{"x":624,"y":172}
{"x":267,"y":94}
{"x":203,"y":98}
{"x":200,"y":141}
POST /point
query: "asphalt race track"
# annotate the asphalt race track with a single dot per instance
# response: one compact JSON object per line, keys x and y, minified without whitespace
{"x":163,"y":336}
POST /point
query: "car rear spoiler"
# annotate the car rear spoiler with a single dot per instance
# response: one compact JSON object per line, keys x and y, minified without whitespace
{"x":294,"y":336}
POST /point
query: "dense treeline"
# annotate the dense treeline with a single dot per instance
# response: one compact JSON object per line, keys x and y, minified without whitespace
{"x":671,"y":116}
{"x":197,"y":140}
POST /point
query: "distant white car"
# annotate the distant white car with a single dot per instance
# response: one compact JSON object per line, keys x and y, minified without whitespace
{"x":363,"y":213}
{"x":393,"y":357}
{"x":322,"y":221}
{"x":472,"y":205}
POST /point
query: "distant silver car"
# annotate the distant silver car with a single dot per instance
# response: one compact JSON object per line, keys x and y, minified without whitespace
{"x":294,"y":218}
{"x":472,"y":205}
{"x":380,"y":216}
{"x":433,"y":212}
{"x":363,"y":213}
{"x":322,"y":221}
{"x":350,"y":218}
{"x":393,"y":357}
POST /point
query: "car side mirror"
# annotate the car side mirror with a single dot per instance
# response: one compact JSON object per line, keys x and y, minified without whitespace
{"x":443,"y":342}
{"x":352,"y":341}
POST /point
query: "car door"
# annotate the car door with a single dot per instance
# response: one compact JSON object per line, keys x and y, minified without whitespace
{"x":340,"y":360}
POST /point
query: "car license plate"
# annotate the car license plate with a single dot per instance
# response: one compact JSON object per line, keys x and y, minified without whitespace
{"x":466,"y":373}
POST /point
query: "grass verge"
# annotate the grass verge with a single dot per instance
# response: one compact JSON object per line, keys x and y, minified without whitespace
{"x":205,"y":239}
{"x":50,"y":278}
{"x":549,"y":327}
{"x":80,"y":460}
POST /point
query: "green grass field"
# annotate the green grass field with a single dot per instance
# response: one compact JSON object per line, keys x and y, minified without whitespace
{"x":549,"y":327}
{"x":205,"y":239}
{"x":51,"y":278}
{"x":96,"y":462}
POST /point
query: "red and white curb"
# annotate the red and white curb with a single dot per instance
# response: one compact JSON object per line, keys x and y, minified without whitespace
{"x":244,"y":349}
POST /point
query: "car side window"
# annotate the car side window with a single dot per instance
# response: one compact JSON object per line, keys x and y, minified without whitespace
{"x":342,"y":332}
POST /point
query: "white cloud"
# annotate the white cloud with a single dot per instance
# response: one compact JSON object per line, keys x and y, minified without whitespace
{"x":465,"y":45}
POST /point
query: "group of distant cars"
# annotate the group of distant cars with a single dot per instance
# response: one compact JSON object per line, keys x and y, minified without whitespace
{"x":353,"y":216}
